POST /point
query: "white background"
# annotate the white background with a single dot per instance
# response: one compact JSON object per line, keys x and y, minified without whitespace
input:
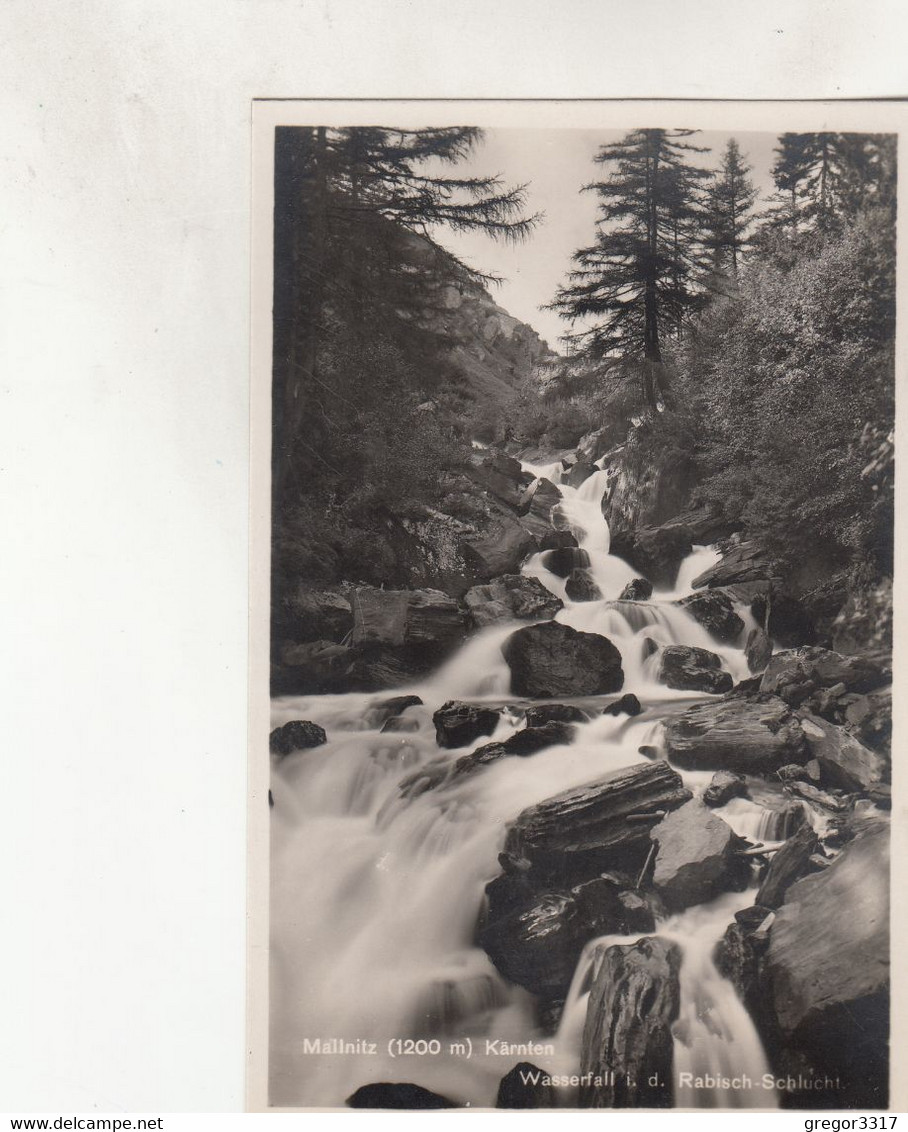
{"x":124,"y":267}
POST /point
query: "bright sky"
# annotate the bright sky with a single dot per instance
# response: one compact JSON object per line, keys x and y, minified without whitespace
{"x":556,"y":164}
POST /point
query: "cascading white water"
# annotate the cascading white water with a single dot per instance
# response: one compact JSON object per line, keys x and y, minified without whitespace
{"x":376,"y":889}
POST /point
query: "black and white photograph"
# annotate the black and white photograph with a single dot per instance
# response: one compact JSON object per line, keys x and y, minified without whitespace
{"x":571,"y":787}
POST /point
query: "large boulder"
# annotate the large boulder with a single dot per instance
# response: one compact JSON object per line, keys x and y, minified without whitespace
{"x":656,"y":552}
{"x":604,"y":824}
{"x":524,"y":1087}
{"x":724,"y":786}
{"x":758,"y":650}
{"x":397,"y":1095}
{"x":398,"y":618}
{"x":749,"y":734}
{"x":798,"y":674}
{"x":500,"y":549}
{"x":457,"y":724}
{"x":298,"y":735}
{"x":715,"y":611}
{"x":499,"y":474}
{"x":536,"y":506}
{"x":845,"y":763}
{"x":741,"y":561}
{"x":627,"y":1038}
{"x":535,"y":937}
{"x":555,"y":660}
{"x":511,"y":597}
{"x":312,"y":668}
{"x":313,"y":615}
{"x":521,"y":743}
{"x":784,"y":617}
{"x":826,"y":971}
{"x":565,"y":560}
{"x":696,"y":856}
{"x":580,"y":471}
{"x":690,"y":669}
{"x":580,"y":586}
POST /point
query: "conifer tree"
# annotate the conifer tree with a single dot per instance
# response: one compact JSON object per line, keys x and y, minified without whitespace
{"x":636,"y":283}
{"x":729,"y":213}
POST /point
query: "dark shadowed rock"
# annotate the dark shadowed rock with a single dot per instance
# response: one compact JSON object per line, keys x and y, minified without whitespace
{"x":539,"y":714}
{"x":741,"y":562}
{"x":518,"y":1090}
{"x":695,"y":857}
{"x":312,"y":615}
{"x":581,"y":832}
{"x":298,"y":735}
{"x":752,"y":734}
{"x":656,"y":552}
{"x":844,"y":763}
{"x":399,"y":724}
{"x":565,"y":560}
{"x":826,"y":971}
{"x":758,"y":650}
{"x":724,"y":786}
{"x":627,"y":705}
{"x":787,"y":866}
{"x":557,"y":540}
{"x":580,"y":471}
{"x":511,"y":597}
{"x":555,"y":660}
{"x":797,"y":674}
{"x":638,"y":589}
{"x":521,"y":743}
{"x":715,"y":611}
{"x":394,"y":618}
{"x":581,"y":587}
{"x":864,"y":623}
{"x":497,"y":473}
{"x":535,"y":936}
{"x":397,"y":1095}
{"x":634,"y":1000}
{"x":788,"y":622}
{"x":457,"y":723}
{"x":690,"y":669}
{"x":392,"y":706}
{"x":313,"y":667}
{"x":536,"y":506}
{"x":869,"y":718}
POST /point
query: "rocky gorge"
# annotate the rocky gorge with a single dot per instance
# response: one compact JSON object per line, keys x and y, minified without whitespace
{"x":600,"y":782}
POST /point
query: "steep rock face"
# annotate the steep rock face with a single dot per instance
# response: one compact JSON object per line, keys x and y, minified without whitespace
{"x":695,"y":856}
{"x":554,"y":660}
{"x":747,"y":734}
{"x":508,"y":598}
{"x":758,"y":650}
{"x":605,"y":824}
{"x":827,"y":967}
{"x":634,"y":1000}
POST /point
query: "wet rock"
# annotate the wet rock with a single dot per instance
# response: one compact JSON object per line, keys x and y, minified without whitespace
{"x":604,"y":824}
{"x":741,"y":562}
{"x":517,"y":1089}
{"x":312,"y":615}
{"x":511,"y":597}
{"x":638,"y":589}
{"x":397,"y":724}
{"x":784,"y":618}
{"x":649,"y":647}
{"x":400,"y":1095}
{"x":696,"y":857}
{"x":536,"y":506}
{"x":844,"y":763}
{"x":826,"y":971}
{"x":789,"y":864}
{"x":581,"y":587}
{"x":457,"y":724}
{"x":521,"y":743}
{"x":555,"y":660}
{"x":565,"y":560}
{"x":373,"y":667}
{"x":758,"y":650}
{"x":881,"y":795}
{"x":724,"y":786}
{"x":656,"y":552}
{"x":690,"y":669}
{"x":500,"y":549}
{"x":750,"y":734}
{"x":797,"y":674}
{"x":627,"y":705}
{"x":737,"y":959}
{"x":539,"y":714}
{"x":715,"y":611}
{"x":535,"y":937}
{"x":298,"y":735}
{"x":627,"y":1037}
{"x":581,"y":471}
{"x":557,"y":540}
{"x":392,"y":706}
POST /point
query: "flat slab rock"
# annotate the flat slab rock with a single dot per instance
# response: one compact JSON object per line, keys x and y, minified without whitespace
{"x":695,"y":857}
{"x":753,"y":734}
{"x":576,"y":834}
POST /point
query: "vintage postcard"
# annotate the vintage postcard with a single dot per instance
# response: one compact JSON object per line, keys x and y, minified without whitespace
{"x":572,"y":608}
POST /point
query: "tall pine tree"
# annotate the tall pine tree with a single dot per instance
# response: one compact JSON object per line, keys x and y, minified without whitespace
{"x":636,"y":284}
{"x":729,"y":214}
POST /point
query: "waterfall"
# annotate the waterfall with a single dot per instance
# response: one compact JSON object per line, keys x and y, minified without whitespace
{"x":376,"y":889}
